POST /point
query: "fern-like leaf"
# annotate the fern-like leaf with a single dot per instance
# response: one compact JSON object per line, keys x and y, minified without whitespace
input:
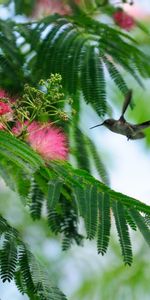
{"x":71,"y":63}
{"x":123,"y":233}
{"x":104,"y":223}
{"x":130,"y":219}
{"x":92,"y":79}
{"x":90,"y":214}
{"x":25,"y":269}
{"x":8,"y":258}
{"x":79,"y":198}
{"x":140,"y":222}
{"x":24,"y":7}
{"x":17,"y":262}
{"x":147,"y":219}
{"x":4,"y":227}
{"x":80,"y":149}
{"x":19,"y":281}
{"x":116,"y":75}
{"x":37,"y":198}
{"x":54,"y":190}
{"x":21,"y":152}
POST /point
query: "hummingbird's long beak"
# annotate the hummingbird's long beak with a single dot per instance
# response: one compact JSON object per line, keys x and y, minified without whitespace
{"x":97,"y":125}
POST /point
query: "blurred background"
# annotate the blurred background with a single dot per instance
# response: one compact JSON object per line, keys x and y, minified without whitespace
{"x":80,"y":272}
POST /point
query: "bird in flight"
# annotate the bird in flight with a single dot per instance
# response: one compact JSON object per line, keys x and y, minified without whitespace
{"x":121,"y":126}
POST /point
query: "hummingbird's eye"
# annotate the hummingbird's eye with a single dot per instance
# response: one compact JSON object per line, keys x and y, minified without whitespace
{"x":107,"y":121}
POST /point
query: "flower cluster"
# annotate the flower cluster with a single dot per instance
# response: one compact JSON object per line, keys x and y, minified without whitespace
{"x":123,"y":20}
{"x":26,"y":118}
{"x":48,"y":140}
{"x":46,"y":7}
{"x":4,"y":108}
{"x":6,"y":113}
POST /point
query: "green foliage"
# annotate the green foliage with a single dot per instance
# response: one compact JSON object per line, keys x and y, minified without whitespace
{"x":36,"y":197}
{"x":19,"y":153}
{"x":81,"y":49}
{"x":115,"y":75}
{"x":54,"y":190}
{"x":104,"y":223}
{"x":71,"y":193}
{"x":63,"y":217}
{"x":18,"y":263}
{"x":123,"y":232}
{"x":92,"y":79}
{"x":77,"y":47}
{"x":11,"y":59}
{"x":8,"y":257}
{"x":140,"y":222}
{"x":85,"y":153}
{"x":24,"y":7}
{"x":130,"y":220}
{"x":80,"y":150}
{"x":85,"y":49}
{"x":21,"y":7}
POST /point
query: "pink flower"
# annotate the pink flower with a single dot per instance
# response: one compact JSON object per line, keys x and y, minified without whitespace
{"x":49,"y":141}
{"x":4,"y":108}
{"x":5,"y":114}
{"x":4,"y":94}
{"x":123,"y":20}
{"x":51,"y":7}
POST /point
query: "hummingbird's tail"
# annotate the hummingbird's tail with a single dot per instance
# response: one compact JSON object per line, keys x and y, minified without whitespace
{"x":143,"y":125}
{"x":96,"y":125}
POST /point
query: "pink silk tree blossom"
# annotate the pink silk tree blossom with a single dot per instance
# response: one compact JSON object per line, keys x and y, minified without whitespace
{"x":123,"y":20}
{"x":6,"y":113}
{"x":48,"y":140}
{"x":4,"y":108}
{"x":45,"y":7}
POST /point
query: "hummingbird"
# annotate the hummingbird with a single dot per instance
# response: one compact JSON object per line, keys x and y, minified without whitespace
{"x":121,"y":126}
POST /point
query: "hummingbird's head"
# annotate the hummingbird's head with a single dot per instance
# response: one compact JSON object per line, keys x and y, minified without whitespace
{"x":108,"y":123}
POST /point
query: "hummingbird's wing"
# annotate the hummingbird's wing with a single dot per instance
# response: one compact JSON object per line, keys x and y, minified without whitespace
{"x":127,"y":101}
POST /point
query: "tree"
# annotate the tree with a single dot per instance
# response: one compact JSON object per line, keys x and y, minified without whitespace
{"x":56,"y":61}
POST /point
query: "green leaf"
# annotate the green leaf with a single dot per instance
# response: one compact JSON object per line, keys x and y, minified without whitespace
{"x":16,"y":261}
{"x":37,"y":198}
{"x":130,"y":219}
{"x":80,"y":149}
{"x":13,"y":158}
{"x":116,"y":75}
{"x":79,"y":198}
{"x":104,"y":223}
{"x":4,"y":227}
{"x":24,"y":7}
{"x":92,"y":79}
{"x":20,"y":150}
{"x":8,"y":258}
{"x":122,"y":228}
{"x":25,"y":268}
{"x":54,"y":190}
{"x":71,"y":61}
{"x":140,"y":222}
{"x":90,"y":210}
